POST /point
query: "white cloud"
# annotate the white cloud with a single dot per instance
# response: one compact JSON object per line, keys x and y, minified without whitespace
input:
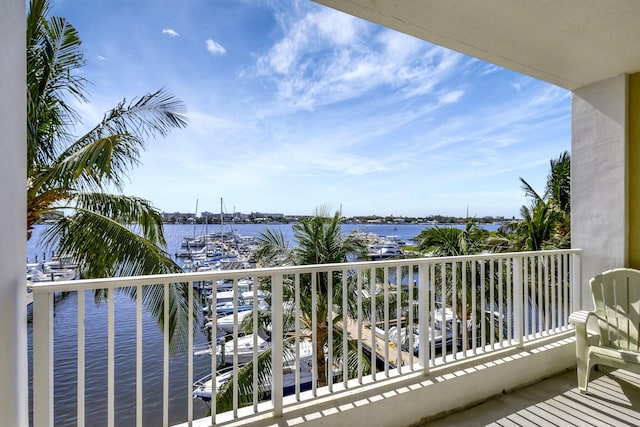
{"x":490,"y":69}
{"x":215,"y":48}
{"x":326,"y":57}
{"x":170,"y":32}
{"x":451,"y":97}
{"x":101,"y":58}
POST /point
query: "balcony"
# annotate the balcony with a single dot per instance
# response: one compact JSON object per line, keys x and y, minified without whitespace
{"x":440,"y":334}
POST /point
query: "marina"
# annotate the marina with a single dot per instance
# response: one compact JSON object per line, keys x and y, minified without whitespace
{"x":65,"y":326}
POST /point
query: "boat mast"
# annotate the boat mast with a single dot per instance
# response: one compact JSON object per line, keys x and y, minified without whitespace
{"x":194,"y":220}
{"x":222,"y":226}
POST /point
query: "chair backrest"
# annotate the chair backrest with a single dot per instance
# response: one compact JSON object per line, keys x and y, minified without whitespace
{"x":616,"y":298}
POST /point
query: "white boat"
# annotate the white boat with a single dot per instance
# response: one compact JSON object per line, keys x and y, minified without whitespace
{"x":243,"y":348}
{"x":226,"y":323}
{"x":202,"y":387}
{"x":440,"y":340}
{"x":383,"y":251}
{"x":50,"y":271}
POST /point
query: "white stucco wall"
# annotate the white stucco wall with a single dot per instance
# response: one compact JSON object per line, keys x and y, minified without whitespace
{"x":13,"y":335}
{"x":598,"y":177}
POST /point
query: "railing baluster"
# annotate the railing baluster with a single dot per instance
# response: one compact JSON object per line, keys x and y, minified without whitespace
{"x":314,"y":331}
{"x":547,"y":301}
{"x":399,"y":318}
{"x":483,"y":306}
{"x":443,"y":292}
{"x":553,"y":295}
{"x":474,"y":305}
{"x":562,"y":308}
{"x":298,"y":365}
{"x":277,"y":327}
{"x":540,"y":297}
{"x":518,"y":301}
{"x":500,"y":302}
{"x":411,"y":325}
{"x":372,"y":296}
{"x":81,"y":358}
{"x":254,"y":356}
{"x":139,"y":355}
{"x":165,"y":359}
{"x":190,"y":355}
{"x":432,"y":314}
{"x":525,"y":287}
{"x":510,"y":302}
{"x":492,"y":306}
{"x":236,"y":332}
{"x":423,"y":317}
{"x":386,"y":320}
{"x":214,"y":347}
{"x":454,"y":307}
{"x":111,"y":357}
{"x":329,"y":331}
{"x":345,"y":332}
{"x":533,"y":302}
{"x":464,"y":325}
{"x":565,"y":286}
{"x":42,"y":358}
{"x":359,"y":324}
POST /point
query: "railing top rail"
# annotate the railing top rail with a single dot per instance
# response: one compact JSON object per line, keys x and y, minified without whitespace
{"x":118,"y":282}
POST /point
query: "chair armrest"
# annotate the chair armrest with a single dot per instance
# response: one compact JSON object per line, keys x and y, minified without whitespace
{"x":580,"y":317}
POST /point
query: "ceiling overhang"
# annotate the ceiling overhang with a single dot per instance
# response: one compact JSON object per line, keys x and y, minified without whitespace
{"x":569,"y":43}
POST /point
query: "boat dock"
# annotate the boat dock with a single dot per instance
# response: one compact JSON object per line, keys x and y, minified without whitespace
{"x":365,"y":337}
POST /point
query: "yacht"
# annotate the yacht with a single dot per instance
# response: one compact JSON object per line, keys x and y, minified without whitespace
{"x":380,"y":251}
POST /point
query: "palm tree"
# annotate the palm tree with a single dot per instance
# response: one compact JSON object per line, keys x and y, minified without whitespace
{"x":546,"y":223}
{"x":107,"y":234}
{"x":451,"y":241}
{"x":471,"y":240}
{"x":319,"y":241}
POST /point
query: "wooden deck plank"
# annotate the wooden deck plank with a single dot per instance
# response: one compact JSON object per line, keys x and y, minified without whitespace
{"x":613,"y":400}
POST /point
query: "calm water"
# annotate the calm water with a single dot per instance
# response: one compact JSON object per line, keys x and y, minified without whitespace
{"x":65,"y":344}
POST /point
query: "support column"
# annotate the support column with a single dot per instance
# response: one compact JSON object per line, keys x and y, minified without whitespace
{"x":13,"y":128}
{"x":599,"y":204}
{"x":633,"y":166}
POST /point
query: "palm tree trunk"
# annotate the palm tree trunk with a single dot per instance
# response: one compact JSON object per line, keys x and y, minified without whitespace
{"x":321,"y":362}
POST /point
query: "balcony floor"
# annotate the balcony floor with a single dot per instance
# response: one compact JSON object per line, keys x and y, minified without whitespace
{"x":613,"y":400}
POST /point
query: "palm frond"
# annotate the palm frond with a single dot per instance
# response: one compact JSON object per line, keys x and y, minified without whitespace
{"x":53,"y":57}
{"x":106,"y":248}
{"x":529,"y":191}
{"x":273,"y":247}
{"x":139,"y":213}
{"x":152,"y":114}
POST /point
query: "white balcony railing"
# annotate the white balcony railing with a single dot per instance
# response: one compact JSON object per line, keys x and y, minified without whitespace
{"x":449,"y":309}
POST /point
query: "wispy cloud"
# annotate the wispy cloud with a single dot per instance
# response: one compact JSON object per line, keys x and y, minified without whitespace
{"x":215,"y":48}
{"x":326,"y":57}
{"x":170,"y":32}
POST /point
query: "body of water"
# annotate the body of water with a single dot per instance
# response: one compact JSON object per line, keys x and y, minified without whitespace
{"x":65,"y":342}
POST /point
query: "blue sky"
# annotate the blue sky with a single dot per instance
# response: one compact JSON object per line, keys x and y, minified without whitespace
{"x":292,"y":105}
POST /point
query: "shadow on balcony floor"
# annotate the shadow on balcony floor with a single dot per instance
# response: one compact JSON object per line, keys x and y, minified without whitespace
{"x":613,"y":400}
